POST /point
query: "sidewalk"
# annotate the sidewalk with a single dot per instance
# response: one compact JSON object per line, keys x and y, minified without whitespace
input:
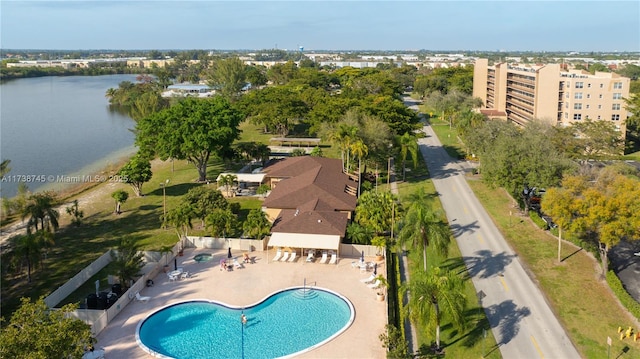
{"x":409,"y":329}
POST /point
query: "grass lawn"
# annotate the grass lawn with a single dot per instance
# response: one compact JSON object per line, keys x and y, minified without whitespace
{"x":582,"y":300}
{"x":471,"y":342}
{"x":76,"y":247}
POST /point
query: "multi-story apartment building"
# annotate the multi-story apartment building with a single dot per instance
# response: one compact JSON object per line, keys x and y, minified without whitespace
{"x":550,"y":93}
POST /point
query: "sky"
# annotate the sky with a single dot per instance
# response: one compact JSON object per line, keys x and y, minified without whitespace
{"x":583,"y":26}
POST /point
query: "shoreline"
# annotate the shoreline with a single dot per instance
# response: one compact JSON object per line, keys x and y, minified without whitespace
{"x":88,"y":177}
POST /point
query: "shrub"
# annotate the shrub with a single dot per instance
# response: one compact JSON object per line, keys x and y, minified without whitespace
{"x":625,"y":298}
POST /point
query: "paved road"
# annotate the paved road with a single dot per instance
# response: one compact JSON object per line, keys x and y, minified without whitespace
{"x":520,"y":318}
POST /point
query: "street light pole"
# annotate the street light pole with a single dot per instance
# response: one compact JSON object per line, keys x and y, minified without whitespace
{"x":164,"y":203}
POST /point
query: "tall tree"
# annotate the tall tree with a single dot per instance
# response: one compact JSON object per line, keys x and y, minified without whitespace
{"x":360,"y":151}
{"x":408,"y":144}
{"x":136,"y":172}
{"x":203,"y":200}
{"x":193,"y":129}
{"x":30,"y":247}
{"x":229,"y":76}
{"x":36,"y":331}
{"x":437,"y":295}
{"x":422,"y":226}
{"x":180,"y":218}
{"x":40,"y":208}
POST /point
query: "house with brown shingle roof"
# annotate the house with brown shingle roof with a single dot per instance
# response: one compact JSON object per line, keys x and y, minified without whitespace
{"x":310,"y":204}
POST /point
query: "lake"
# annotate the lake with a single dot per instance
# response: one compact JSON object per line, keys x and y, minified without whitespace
{"x":53,"y":128}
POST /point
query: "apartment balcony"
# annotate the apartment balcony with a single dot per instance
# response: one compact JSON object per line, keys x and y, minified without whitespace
{"x":520,"y":103}
{"x":522,"y":79}
{"x":519,"y":86}
{"x":520,"y":111}
{"x":517,"y":118}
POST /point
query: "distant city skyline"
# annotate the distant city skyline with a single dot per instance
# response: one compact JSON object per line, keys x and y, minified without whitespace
{"x":581,"y":26}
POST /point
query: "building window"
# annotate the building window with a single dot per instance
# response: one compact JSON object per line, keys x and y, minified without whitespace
{"x":568,"y":84}
{"x":577,"y":116}
{"x":577,"y":106}
{"x":600,"y":96}
{"x":566,"y":115}
{"x":578,"y":96}
{"x":567,"y":95}
{"x":615,"y":117}
{"x":601,"y":85}
{"x":579,"y":85}
{"x":599,"y":107}
{"x":588,"y":95}
{"x":598,"y":117}
{"x":615,"y":107}
{"x":566,"y":105}
{"x":588,"y":85}
{"x":617,"y":85}
{"x":617,"y":96}
{"x":587,"y":107}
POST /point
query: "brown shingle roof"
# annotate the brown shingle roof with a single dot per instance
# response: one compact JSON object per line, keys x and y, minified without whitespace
{"x":311,"y":222}
{"x":310,"y":180}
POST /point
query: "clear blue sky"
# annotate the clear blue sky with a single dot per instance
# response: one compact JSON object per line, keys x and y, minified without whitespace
{"x":327,"y":25}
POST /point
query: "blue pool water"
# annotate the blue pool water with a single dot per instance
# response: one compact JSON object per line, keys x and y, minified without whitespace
{"x":285,"y":323}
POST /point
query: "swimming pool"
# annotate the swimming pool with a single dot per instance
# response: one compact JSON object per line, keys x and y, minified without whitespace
{"x":285,"y":323}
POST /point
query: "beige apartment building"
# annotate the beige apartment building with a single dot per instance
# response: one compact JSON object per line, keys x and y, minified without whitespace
{"x":547,"y":92}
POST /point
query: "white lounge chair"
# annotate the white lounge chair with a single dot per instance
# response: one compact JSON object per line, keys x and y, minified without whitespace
{"x":369,"y":279}
{"x":375,"y":284}
{"x":293,"y":256}
{"x":237,"y":264}
{"x":285,"y":256}
{"x":278,"y":255}
{"x":323,"y":260}
{"x":140,"y":298}
{"x":334,"y":258}
{"x":311,"y":256}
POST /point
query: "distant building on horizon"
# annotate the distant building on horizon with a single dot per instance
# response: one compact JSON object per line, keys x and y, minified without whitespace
{"x":520,"y":93}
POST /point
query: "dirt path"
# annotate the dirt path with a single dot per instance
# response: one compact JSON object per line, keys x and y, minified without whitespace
{"x":85,"y":199}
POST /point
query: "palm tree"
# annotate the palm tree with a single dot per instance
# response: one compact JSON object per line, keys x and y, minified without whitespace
{"x":408,"y":146}
{"x":30,"y":246}
{"x":40,"y":209}
{"x":256,"y":225}
{"x":128,"y":261}
{"x":359,"y":150}
{"x":436,"y":296}
{"x":423,"y":226}
{"x":227,"y":181}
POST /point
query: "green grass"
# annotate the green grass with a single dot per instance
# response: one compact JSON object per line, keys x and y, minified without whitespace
{"x":76,"y":247}
{"x":582,"y":300}
{"x":469,"y":343}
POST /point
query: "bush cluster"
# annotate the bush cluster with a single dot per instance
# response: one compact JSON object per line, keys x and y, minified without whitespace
{"x":625,"y":298}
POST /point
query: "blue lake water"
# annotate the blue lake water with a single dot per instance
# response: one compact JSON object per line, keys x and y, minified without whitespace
{"x":51,"y":127}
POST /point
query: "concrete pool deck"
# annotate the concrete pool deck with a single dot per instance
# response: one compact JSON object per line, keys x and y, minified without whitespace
{"x":248,"y":285}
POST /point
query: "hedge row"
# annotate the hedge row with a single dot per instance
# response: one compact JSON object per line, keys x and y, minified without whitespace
{"x":625,"y":298}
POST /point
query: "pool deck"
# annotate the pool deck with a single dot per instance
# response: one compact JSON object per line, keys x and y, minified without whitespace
{"x":248,"y":285}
